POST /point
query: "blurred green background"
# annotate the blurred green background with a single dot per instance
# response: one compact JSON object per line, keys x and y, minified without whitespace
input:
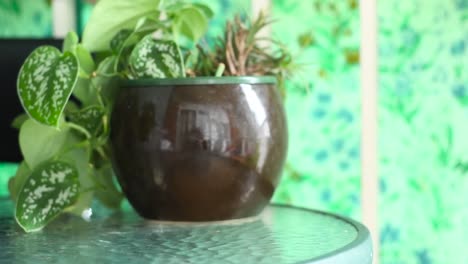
{"x":423,"y":114}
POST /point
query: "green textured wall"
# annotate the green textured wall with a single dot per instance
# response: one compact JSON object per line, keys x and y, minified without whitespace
{"x":423,"y":120}
{"x":25,"y":18}
{"x":323,"y":108}
{"x":423,"y":114}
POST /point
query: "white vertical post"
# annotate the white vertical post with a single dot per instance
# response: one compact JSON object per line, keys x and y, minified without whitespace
{"x":369,"y":99}
{"x":63,"y":17}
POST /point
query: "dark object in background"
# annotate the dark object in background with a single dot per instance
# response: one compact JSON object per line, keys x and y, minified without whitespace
{"x":13,"y":52}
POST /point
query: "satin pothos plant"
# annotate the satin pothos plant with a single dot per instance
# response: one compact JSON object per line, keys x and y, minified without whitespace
{"x":67,"y":96}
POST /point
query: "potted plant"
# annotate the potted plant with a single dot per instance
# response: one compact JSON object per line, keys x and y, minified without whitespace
{"x":197,"y":135}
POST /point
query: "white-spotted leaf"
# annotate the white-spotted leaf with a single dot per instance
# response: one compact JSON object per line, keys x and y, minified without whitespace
{"x":123,"y":42}
{"x":45,"y":83}
{"x":118,"y":41}
{"x":90,"y":118}
{"x":156,"y":59}
{"x":51,"y":188}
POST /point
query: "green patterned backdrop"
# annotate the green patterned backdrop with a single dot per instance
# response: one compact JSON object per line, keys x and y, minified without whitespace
{"x":423,"y":114}
{"x":25,"y":18}
{"x":323,"y":168}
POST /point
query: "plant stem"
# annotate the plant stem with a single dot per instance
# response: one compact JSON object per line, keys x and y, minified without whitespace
{"x":79,"y":128}
{"x":83,"y":74}
{"x":220,"y":70}
{"x":90,"y":189}
{"x":101,"y":152}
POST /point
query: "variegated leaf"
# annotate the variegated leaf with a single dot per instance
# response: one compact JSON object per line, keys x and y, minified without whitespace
{"x":50,"y":189}
{"x":156,"y":59}
{"x":119,"y":40}
{"x":123,"y":42}
{"x":45,"y":83}
{"x":90,"y":118}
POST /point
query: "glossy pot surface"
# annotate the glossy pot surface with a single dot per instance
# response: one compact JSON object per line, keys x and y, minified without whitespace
{"x":199,"y":149}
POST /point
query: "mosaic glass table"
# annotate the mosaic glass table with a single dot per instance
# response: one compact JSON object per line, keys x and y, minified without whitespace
{"x":281,"y":234}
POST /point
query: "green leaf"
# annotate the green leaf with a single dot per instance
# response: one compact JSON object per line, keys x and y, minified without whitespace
{"x":70,"y":42}
{"x":50,"y":189}
{"x":19,"y":121}
{"x":45,"y":83}
{"x":122,"y":44}
{"x":80,"y":158}
{"x":205,"y":9}
{"x":190,"y":22}
{"x":39,"y":143}
{"x":85,"y":59}
{"x":15,"y":183}
{"x":71,"y":107}
{"x":118,"y":41}
{"x":106,"y":67}
{"x":85,"y":92}
{"x":126,"y":37}
{"x":90,"y":118}
{"x":111,"y":16}
{"x":173,"y":7}
{"x":156,"y":59}
{"x":106,"y":80}
{"x":148,"y":25}
{"x":109,"y":195}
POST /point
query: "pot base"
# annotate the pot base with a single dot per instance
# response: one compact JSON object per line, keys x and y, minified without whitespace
{"x":239,"y":221}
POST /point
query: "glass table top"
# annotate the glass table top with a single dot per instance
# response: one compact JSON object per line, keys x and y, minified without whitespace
{"x":281,"y":234}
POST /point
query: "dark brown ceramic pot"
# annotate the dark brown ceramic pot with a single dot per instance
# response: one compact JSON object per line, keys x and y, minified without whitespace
{"x":199,"y":149}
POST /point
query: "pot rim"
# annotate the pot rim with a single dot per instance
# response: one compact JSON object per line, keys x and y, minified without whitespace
{"x":203,"y":80}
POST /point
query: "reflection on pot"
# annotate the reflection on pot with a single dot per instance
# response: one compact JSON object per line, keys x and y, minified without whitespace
{"x":202,"y":127}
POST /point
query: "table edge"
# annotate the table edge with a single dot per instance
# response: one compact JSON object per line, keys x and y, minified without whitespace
{"x":363,"y":234}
